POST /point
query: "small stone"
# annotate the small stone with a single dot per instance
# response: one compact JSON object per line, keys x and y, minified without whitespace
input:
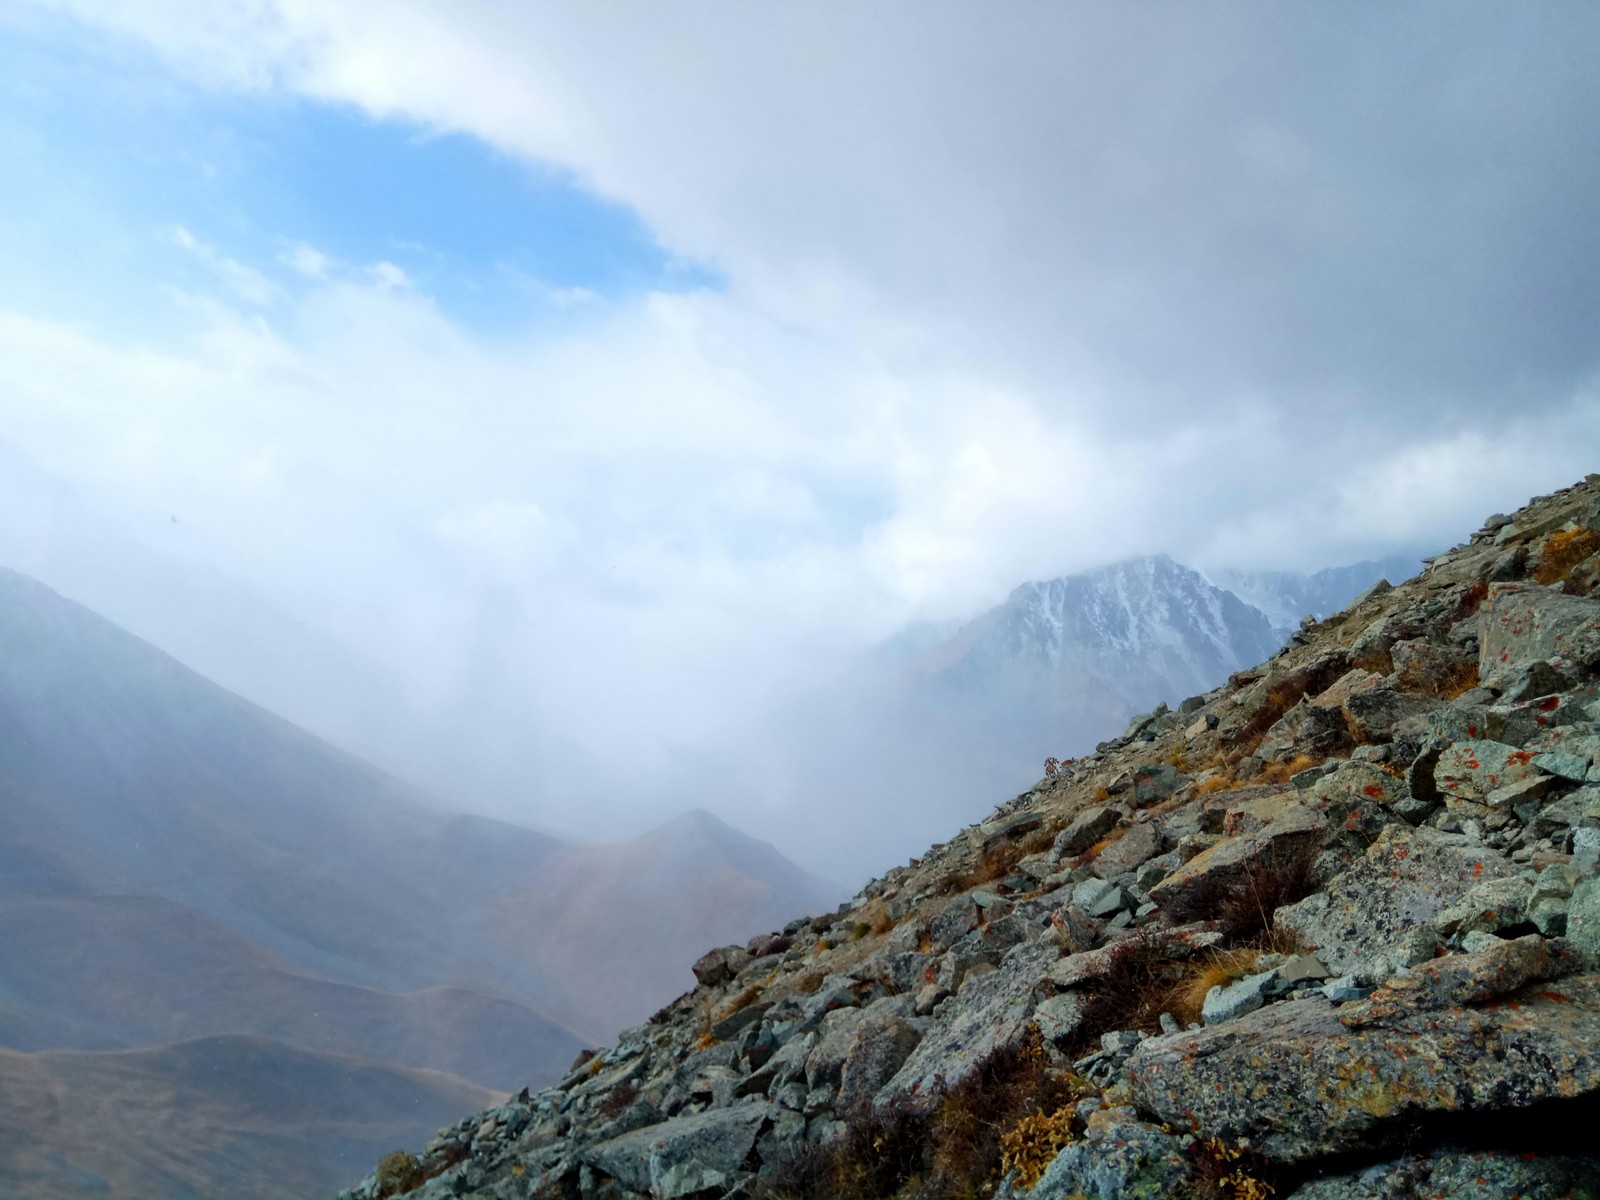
{"x":1565,"y":766}
{"x":1586,"y":850}
{"x":1345,"y":989}
{"x":1479,"y":939}
{"x":1237,"y":998}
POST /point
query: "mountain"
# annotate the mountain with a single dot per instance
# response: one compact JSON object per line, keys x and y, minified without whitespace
{"x":1333,"y":933}
{"x":620,"y":923}
{"x":1286,"y":596}
{"x":1128,"y":634}
{"x":226,"y":1116}
{"x":180,"y":869}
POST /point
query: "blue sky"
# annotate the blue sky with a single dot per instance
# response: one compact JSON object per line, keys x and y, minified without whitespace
{"x":111,"y":151}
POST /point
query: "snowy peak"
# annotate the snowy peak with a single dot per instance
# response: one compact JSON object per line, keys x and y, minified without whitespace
{"x":1286,"y":596}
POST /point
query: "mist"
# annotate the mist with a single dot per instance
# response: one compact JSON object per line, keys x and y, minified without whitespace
{"x":916,"y":304}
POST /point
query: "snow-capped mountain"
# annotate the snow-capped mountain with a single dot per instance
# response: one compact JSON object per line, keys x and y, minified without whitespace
{"x":1104,"y":643}
{"x":1286,"y":596}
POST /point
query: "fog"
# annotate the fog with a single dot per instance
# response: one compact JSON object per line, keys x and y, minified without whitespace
{"x":965,"y":296}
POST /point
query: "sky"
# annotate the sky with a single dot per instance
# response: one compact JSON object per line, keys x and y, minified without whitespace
{"x":563,"y":383}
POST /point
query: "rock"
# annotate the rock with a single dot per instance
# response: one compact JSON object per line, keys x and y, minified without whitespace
{"x":1291,"y":829}
{"x":954,"y":921}
{"x":1344,"y":989}
{"x":880,"y":1049}
{"x":1586,"y":850}
{"x":1522,"y":623}
{"x":1564,"y":766}
{"x":1513,"y":795}
{"x":1532,"y":681}
{"x":1426,"y":667}
{"x":1140,"y":843}
{"x":1499,"y":968}
{"x":993,"y":1013}
{"x":1519,"y":724}
{"x":1336,"y":1089}
{"x":1300,"y":967}
{"x":1405,"y":880}
{"x":1583,"y":921}
{"x":1488,"y":908}
{"x":1059,"y":1017}
{"x":1473,"y":770}
{"x":683,"y":1156}
{"x":720,"y":966}
{"x":1010,"y":830}
{"x":1237,"y":998}
{"x":1461,"y":1175}
{"x":1153,"y":782}
{"x":1119,"y":1157}
{"x":1091,"y":825}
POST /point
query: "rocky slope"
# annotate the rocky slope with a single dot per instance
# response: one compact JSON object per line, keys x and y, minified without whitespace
{"x":1331,"y":930}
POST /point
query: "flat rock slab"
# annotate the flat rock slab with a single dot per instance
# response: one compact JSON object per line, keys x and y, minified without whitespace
{"x":1298,"y":1084}
{"x":685,"y":1155}
{"x":1522,"y":623}
{"x":1292,"y":825}
{"x":1405,"y":880}
{"x":994,"y":1014}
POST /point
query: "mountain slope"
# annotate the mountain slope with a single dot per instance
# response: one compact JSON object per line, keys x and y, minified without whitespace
{"x":235,"y":1117}
{"x":620,"y":923}
{"x":1332,"y":933}
{"x":1286,"y":596}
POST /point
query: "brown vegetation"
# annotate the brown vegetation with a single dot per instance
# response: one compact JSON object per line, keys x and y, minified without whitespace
{"x":1242,"y":903}
{"x":1222,"y":1171}
{"x":399,"y":1172}
{"x":958,"y":1151}
{"x":618,"y":1099}
{"x":1282,"y":772}
{"x":1565,"y":550}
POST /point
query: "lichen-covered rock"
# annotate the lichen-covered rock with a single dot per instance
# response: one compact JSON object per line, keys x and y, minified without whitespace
{"x":1463,"y":1175}
{"x":1405,"y":880}
{"x":1473,"y":770}
{"x":1291,"y":827}
{"x":879,"y":1050}
{"x":994,"y":1013}
{"x":1119,"y":1157}
{"x":1089,"y":827}
{"x":683,"y":1156}
{"x":1523,"y":623}
{"x":1336,"y":1089}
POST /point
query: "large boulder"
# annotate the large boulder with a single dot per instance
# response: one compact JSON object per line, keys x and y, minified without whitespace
{"x":1334,"y":1089}
{"x":1404,"y":881}
{"x":1272,"y":830}
{"x":1522,"y":623}
{"x":684,"y":1156}
{"x":993,"y":1014}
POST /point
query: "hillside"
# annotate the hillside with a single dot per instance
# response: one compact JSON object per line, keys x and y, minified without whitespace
{"x":218,"y":1117}
{"x":1330,"y":930}
{"x":620,"y":923}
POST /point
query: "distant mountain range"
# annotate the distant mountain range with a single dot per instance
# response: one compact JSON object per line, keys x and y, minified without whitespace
{"x":196,"y":893}
{"x":940,"y":713}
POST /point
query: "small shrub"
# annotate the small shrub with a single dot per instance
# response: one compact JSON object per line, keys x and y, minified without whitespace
{"x":1032,"y":1144}
{"x":1565,"y":550}
{"x":1243,"y":903}
{"x":1221,"y":1171}
{"x":399,"y":1172}
{"x":1133,"y":991}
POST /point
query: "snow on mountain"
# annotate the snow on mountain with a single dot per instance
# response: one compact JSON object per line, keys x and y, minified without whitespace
{"x":1286,"y":596}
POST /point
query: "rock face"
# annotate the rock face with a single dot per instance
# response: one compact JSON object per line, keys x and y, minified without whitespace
{"x":1331,"y":931}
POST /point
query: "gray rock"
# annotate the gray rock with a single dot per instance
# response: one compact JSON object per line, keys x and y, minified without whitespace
{"x":1153,"y":782}
{"x":683,"y":1156}
{"x":880,"y":1049}
{"x":1566,"y":766}
{"x":1405,"y":880}
{"x":1237,"y":998}
{"x":1119,"y":1158}
{"x":1059,"y":1017}
{"x":1472,"y":770}
{"x":1488,"y":907}
{"x":721,"y":965}
{"x":1586,"y":850}
{"x":1522,"y":623}
{"x":1134,"y":848}
{"x":1345,"y":989}
{"x":1583,"y":921}
{"x":1334,"y":1088}
{"x":1461,"y":1175}
{"x":993,"y":1013}
{"x":1089,"y":827}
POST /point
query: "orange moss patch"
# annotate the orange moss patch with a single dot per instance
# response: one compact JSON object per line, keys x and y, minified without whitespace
{"x":1565,"y":550}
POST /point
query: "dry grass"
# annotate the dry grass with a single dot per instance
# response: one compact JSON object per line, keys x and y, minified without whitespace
{"x":1217,"y":783}
{"x":399,"y":1172}
{"x":1308,"y":681}
{"x":872,"y":919}
{"x":1217,"y":967}
{"x":1379,"y":662}
{"x":1565,"y":550}
{"x":999,"y":861}
{"x":1282,"y":772}
{"x":1450,"y":683}
{"x":1222,"y":1171}
{"x":1101,"y":795}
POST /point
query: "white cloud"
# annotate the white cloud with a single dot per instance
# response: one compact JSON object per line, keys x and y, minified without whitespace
{"x":246,"y":283}
{"x":305,"y":259}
